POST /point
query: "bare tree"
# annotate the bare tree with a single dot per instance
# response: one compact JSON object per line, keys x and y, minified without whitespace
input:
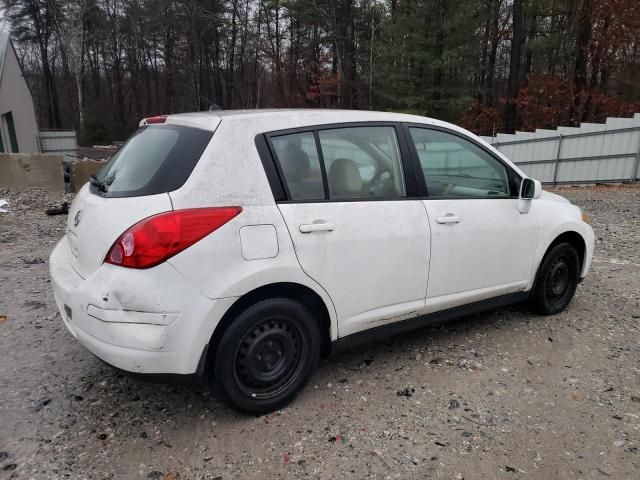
{"x":69,"y":21}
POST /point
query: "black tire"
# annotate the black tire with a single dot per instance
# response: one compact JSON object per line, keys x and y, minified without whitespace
{"x":556,"y":281}
{"x":267,"y":355}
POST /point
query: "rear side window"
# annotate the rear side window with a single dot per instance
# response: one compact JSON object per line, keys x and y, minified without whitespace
{"x":300,"y":164}
{"x":156,"y":159}
{"x":353,"y":163}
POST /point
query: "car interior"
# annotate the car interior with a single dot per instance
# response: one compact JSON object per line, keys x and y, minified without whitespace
{"x":360,"y":162}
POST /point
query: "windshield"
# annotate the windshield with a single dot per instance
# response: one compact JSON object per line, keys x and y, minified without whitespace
{"x":156,"y":159}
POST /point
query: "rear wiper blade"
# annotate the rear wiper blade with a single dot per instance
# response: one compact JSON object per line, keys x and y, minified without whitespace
{"x":95,"y":182}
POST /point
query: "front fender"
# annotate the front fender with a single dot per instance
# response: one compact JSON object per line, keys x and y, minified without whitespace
{"x":555,"y":219}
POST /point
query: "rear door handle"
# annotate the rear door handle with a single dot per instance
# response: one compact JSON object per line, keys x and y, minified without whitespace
{"x":317,"y":227}
{"x":448,"y":218}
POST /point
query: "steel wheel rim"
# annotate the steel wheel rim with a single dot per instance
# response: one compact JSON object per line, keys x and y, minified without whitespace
{"x":269,"y":358}
{"x":558,"y":279}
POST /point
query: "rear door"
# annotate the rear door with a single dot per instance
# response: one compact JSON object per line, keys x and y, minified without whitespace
{"x":133,"y":185}
{"x":356,"y":229}
{"x":482,"y":245}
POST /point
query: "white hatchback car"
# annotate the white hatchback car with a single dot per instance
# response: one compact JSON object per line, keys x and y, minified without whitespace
{"x":241,"y":246}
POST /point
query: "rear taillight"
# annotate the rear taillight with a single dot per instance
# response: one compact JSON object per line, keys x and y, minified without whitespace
{"x":158,"y":238}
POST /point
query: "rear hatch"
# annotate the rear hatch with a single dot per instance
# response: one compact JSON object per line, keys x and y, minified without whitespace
{"x":133,"y":185}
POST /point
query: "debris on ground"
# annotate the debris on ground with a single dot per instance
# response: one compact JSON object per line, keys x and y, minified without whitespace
{"x":33,"y":261}
{"x":406,"y":392}
{"x":58,"y":210}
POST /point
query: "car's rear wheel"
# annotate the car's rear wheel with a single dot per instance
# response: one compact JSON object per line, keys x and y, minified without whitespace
{"x":267,"y":354}
{"x":557,"y":280}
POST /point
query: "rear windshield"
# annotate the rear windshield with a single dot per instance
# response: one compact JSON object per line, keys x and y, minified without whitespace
{"x":156,"y":159}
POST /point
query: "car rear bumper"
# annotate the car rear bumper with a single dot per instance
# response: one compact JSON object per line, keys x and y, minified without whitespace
{"x":143,"y":321}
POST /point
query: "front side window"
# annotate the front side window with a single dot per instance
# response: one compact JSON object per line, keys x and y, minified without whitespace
{"x":454,"y":167}
{"x":354,"y":163}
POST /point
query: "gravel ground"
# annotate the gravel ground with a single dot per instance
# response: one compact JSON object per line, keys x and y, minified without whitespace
{"x":500,"y":395}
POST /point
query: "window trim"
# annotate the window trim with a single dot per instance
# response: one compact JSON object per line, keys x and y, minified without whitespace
{"x":323,"y":166}
{"x":271,"y":169}
{"x":275,"y":175}
{"x":513,"y":176}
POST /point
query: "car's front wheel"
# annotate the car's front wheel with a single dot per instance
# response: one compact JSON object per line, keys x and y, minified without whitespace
{"x":267,"y":354}
{"x":557,"y":280}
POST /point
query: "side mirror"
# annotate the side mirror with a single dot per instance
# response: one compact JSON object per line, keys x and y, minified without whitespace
{"x":530,"y":189}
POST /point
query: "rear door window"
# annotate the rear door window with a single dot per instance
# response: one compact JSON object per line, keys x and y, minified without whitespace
{"x":362,"y":162}
{"x":352,"y":163}
{"x":156,"y":159}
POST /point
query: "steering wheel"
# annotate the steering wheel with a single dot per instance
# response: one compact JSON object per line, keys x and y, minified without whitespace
{"x":381,"y":187}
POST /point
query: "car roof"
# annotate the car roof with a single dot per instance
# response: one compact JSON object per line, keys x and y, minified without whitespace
{"x":269,"y":112}
{"x":300,"y":116}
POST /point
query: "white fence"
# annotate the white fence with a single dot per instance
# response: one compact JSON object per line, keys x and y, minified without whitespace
{"x":60,"y":142}
{"x":593,"y":152}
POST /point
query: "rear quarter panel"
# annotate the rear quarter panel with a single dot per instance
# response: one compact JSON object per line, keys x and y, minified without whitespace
{"x":230,"y":173}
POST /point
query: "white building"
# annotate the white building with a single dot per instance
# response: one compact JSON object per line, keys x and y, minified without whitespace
{"x":18,"y":127}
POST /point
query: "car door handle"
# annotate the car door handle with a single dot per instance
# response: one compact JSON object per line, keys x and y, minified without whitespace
{"x":448,"y":218}
{"x":317,"y":227}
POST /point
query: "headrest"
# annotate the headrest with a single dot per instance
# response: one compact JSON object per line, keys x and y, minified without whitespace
{"x":295,"y":163}
{"x":344,"y":178}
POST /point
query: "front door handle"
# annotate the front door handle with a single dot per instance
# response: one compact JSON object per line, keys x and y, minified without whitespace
{"x":448,"y":218}
{"x":317,"y":227}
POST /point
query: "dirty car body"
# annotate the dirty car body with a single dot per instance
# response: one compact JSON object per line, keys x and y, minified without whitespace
{"x":240,"y":246}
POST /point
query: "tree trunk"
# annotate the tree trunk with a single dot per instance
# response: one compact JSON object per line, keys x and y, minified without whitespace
{"x":583,"y":37}
{"x":493,"y":53}
{"x":43,"y":33}
{"x":256,"y":64}
{"x":481,"y":79}
{"x":373,"y":28}
{"x":514,"y":67}
{"x":52,"y":92}
{"x":347,"y":64}
{"x":168,"y":60}
{"x":528,"y":60}
{"x":232,"y":54}
{"x":80,"y":90}
{"x":438,"y":69}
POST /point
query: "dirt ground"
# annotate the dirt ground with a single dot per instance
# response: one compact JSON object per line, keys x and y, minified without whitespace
{"x":504,"y":395}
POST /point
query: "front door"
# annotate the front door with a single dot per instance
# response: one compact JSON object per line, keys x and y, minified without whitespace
{"x":481,"y":245}
{"x":354,"y":230}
